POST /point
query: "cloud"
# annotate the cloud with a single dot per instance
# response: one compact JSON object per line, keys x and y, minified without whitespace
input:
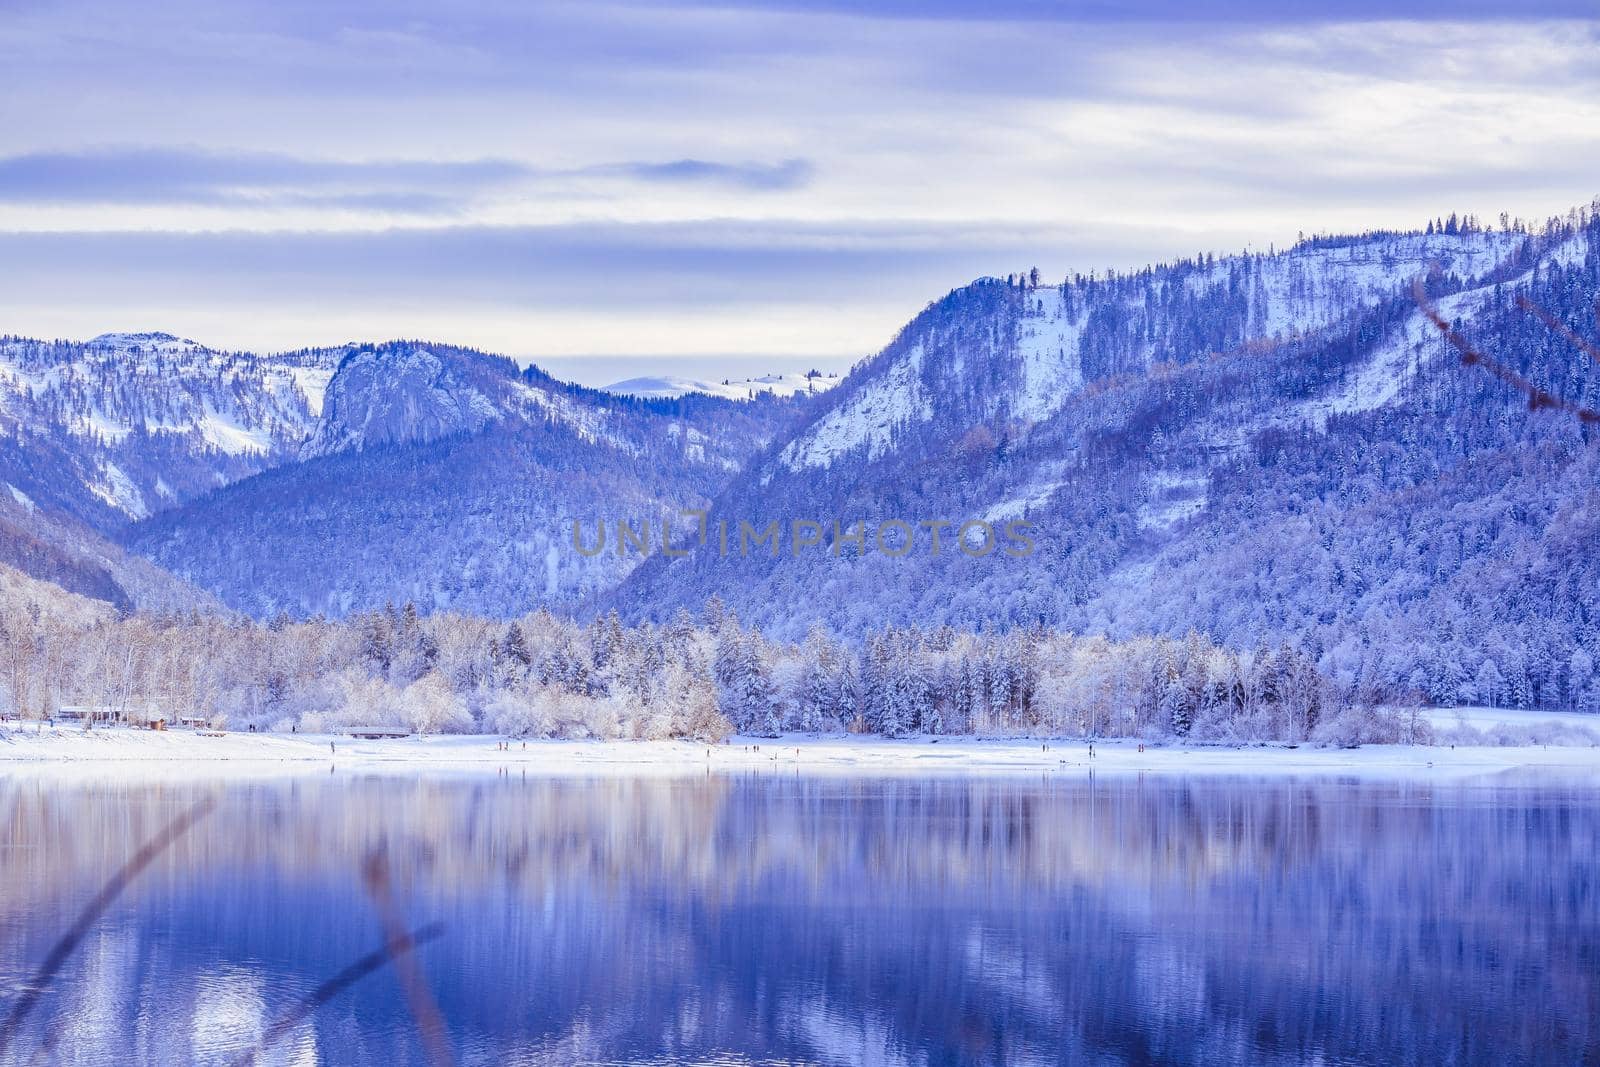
{"x":789,"y":174}
{"x":479,"y":148}
{"x":598,"y":265}
{"x":715,"y":286}
{"x":149,"y":175}
{"x":157,"y":175}
{"x":1112,"y":11}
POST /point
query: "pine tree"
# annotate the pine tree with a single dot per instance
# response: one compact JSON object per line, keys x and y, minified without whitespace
{"x":819,"y":680}
{"x":715,"y":613}
{"x":376,"y":647}
{"x":515,"y":646}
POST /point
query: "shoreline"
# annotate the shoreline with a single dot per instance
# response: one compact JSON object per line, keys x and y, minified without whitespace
{"x":116,"y":752}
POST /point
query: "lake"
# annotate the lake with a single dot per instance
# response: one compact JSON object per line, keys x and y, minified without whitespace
{"x":771,"y":918}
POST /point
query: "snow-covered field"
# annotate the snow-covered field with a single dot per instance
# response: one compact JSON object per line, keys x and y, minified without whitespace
{"x":1490,"y":718}
{"x":117,"y":752}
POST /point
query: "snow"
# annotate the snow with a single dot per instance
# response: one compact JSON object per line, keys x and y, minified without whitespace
{"x":1480,"y":718}
{"x":552,"y":569}
{"x":1047,"y":347}
{"x":22,"y":498}
{"x":672,"y":385}
{"x":118,"y":490}
{"x":32,"y":749}
{"x":313,"y":385}
{"x":99,"y":424}
{"x":1311,"y":287}
{"x":588,"y":423}
{"x":1571,"y":252}
{"x":400,"y":394}
{"x":1392,"y":364}
{"x":868,"y":419}
{"x":95,"y":394}
{"x":1301,"y":291}
{"x":1031,"y":496}
{"x":1172,"y":497}
{"x":143,"y":342}
{"x":229,"y":436}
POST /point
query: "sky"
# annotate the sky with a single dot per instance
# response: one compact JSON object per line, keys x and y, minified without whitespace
{"x":611,"y":188}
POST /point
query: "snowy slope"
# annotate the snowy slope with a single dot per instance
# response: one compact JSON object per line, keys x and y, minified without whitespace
{"x":288,"y":482}
{"x":1260,"y":448}
{"x":1266,"y":298}
{"x":671,"y":385}
{"x":128,"y":423}
{"x":450,"y":479}
{"x":153,"y":383}
{"x":868,"y":420}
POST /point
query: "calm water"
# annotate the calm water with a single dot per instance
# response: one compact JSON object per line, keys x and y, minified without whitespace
{"x":776,"y":920}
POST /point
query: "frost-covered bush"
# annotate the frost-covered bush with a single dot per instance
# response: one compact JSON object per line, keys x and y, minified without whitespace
{"x":1363,"y":724}
{"x":519,"y":712}
{"x":365,"y":701}
{"x":429,"y":707}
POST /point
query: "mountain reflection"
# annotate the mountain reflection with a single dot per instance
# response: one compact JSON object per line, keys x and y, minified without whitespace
{"x":765,"y":918}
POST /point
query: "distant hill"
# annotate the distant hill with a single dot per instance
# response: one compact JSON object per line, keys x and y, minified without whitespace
{"x":117,"y":428}
{"x":474,"y":468}
{"x":449,"y":479}
{"x":671,"y":385}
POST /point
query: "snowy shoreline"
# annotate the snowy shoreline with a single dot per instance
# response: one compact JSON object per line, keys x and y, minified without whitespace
{"x":120,"y":753}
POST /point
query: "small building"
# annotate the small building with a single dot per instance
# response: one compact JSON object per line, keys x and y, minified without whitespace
{"x":377,"y":733}
{"x":144,"y":713}
{"x":149,"y":719}
{"x":90,"y":713}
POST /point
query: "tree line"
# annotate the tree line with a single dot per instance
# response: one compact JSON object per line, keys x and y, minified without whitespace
{"x":701,"y":676}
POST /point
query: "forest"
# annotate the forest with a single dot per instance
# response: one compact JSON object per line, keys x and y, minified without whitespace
{"x":700,"y":676}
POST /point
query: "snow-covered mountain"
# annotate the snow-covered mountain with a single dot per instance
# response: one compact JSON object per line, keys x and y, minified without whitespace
{"x":448,"y":478}
{"x":656,"y":387}
{"x":399,"y":470}
{"x":1054,"y":341}
{"x":56,"y":547}
{"x":121,"y":426}
{"x":1262,"y":447}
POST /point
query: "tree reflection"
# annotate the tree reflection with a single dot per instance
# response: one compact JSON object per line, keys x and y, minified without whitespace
{"x":830,"y":920}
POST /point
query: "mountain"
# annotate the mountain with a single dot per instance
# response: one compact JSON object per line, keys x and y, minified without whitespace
{"x":155,"y":441}
{"x":117,"y":428}
{"x":409,"y":393}
{"x":1266,"y":448}
{"x":55,"y":547}
{"x":656,"y":387}
{"x":96,"y":434}
{"x":24,"y":594}
{"x":1263,"y":447}
{"x":448,"y":478}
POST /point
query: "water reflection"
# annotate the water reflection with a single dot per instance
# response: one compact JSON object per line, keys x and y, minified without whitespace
{"x":833,"y":921}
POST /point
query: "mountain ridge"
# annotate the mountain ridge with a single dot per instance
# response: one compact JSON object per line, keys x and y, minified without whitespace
{"x":1226,"y":444}
{"x":1206,"y":428}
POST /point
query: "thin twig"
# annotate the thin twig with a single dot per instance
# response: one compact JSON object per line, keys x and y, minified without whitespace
{"x":1538,"y":398}
{"x":419,"y":998}
{"x":372,"y":961}
{"x":69,"y":941}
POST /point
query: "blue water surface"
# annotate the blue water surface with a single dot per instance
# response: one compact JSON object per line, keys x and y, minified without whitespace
{"x":781,"y":919}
